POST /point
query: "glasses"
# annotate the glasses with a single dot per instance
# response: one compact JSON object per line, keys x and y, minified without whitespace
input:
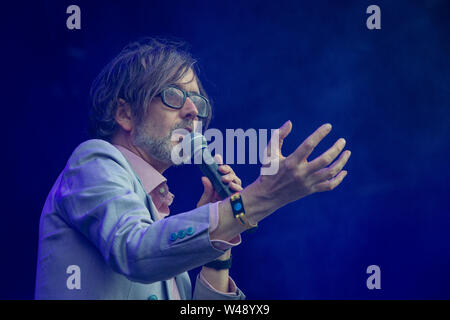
{"x":174,"y":97}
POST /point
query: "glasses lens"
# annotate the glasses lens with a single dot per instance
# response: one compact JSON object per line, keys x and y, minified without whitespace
{"x":173,"y":97}
{"x":201,"y":104}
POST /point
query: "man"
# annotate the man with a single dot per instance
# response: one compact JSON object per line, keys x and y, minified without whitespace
{"x":105,"y":232}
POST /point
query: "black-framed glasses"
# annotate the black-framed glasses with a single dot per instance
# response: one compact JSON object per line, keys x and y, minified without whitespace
{"x":175,"y":98}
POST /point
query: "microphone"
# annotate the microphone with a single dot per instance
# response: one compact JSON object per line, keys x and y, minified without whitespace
{"x":199,"y":152}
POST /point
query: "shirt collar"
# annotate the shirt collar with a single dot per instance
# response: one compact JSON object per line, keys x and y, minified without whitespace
{"x":149,"y":176}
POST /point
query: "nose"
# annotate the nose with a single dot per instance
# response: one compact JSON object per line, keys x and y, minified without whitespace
{"x":189,"y":110}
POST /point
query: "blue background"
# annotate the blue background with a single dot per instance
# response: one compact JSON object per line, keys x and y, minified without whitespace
{"x":385,"y":91}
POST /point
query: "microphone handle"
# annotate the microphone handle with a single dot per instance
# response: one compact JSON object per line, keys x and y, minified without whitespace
{"x":211,"y":171}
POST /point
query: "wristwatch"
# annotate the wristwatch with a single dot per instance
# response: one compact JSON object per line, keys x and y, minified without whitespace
{"x":219,"y":264}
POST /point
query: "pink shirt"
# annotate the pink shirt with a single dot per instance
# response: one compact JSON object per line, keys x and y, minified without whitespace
{"x":155,"y":185}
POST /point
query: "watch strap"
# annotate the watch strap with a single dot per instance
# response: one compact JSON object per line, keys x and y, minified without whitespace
{"x":219,"y":264}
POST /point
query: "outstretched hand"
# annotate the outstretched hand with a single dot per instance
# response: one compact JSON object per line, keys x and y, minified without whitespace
{"x":296,"y":177}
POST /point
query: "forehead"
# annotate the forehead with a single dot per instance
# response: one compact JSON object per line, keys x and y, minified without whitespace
{"x":188,"y":82}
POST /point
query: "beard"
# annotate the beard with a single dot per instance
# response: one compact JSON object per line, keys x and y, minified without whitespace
{"x":157,"y":147}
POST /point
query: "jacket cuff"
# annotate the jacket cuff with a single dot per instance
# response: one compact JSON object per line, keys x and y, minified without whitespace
{"x":220,"y":244}
{"x":204,"y":291}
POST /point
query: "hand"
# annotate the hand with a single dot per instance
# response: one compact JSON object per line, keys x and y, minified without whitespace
{"x":229,"y":177}
{"x":296,"y":177}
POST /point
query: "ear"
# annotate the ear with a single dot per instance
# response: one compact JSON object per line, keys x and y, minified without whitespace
{"x":123,"y":115}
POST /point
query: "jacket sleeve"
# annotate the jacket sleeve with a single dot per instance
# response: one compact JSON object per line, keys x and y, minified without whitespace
{"x":97,"y":197}
{"x":204,"y":292}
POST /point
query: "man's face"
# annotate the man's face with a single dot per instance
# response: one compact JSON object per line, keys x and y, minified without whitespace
{"x":154,"y":134}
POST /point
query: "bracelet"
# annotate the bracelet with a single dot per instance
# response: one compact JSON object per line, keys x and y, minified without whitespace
{"x":219,"y":264}
{"x":239,"y":212}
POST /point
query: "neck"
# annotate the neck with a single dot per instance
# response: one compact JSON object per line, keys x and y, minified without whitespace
{"x":126,"y":142}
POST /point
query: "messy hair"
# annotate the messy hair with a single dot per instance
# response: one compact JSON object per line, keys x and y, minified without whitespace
{"x":136,"y":75}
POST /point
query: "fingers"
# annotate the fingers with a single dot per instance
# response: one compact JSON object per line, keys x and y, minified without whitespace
{"x":231,"y":177}
{"x":235,"y":187}
{"x":210,"y":195}
{"x":305,"y":149}
{"x":229,"y":174}
{"x":218,"y":158}
{"x":278,"y":136}
{"x":330,"y":184}
{"x":327,"y":157}
{"x":333,"y":170}
{"x":285,"y":129}
{"x":224,"y":168}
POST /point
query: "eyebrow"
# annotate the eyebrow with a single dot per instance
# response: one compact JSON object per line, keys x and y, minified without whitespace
{"x":181,"y":87}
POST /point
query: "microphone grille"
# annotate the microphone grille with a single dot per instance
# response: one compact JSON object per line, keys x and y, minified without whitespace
{"x":195,"y":142}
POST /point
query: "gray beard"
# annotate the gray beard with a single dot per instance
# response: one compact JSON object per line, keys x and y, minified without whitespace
{"x":158,"y":148}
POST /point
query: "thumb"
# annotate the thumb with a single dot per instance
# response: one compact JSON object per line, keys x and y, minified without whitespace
{"x":207,"y":187}
{"x":285,"y":129}
{"x":207,"y":192}
{"x":277,"y":137}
